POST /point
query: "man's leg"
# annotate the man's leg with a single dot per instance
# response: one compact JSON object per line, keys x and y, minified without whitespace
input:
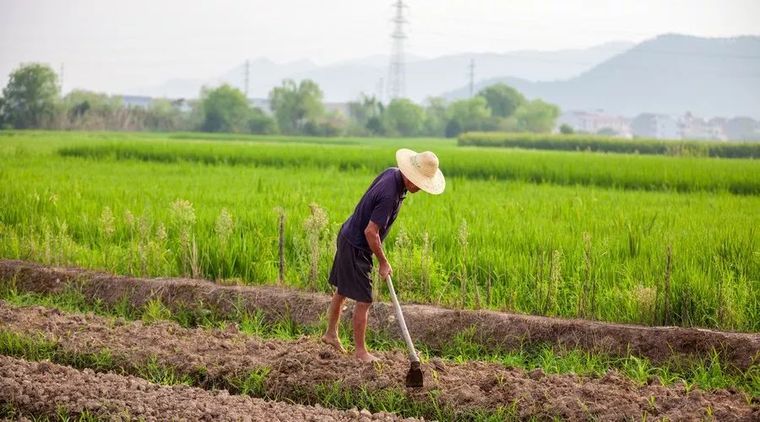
{"x":361,"y":310}
{"x":333,"y":318}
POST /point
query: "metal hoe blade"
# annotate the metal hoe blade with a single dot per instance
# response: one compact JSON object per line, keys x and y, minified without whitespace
{"x":414,"y":376}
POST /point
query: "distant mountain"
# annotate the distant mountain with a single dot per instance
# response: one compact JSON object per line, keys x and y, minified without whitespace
{"x":425,"y":77}
{"x":264,"y":74}
{"x":669,"y":74}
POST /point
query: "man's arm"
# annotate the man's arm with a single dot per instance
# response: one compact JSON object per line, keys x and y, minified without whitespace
{"x":372,"y":233}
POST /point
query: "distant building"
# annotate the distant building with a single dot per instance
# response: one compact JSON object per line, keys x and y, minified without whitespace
{"x":742,"y":129}
{"x":596,"y":122}
{"x":657,"y":126}
{"x":136,"y":101}
{"x":697,"y":128}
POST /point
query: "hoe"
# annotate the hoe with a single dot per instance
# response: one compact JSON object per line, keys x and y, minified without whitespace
{"x":414,"y":376}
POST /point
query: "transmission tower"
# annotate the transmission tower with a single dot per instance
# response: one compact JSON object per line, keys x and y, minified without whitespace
{"x":60,"y":76}
{"x":472,"y":77}
{"x":396,"y":83}
{"x":247,"y":76}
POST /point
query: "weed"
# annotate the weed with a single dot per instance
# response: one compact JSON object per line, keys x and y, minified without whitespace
{"x":155,"y":310}
{"x":254,"y":384}
{"x":158,"y":373}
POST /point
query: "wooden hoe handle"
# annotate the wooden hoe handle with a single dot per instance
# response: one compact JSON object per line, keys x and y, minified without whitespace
{"x":400,"y":317}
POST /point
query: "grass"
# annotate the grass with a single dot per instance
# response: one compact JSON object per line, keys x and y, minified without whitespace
{"x":708,"y":374}
{"x":254,"y":383}
{"x":8,"y":411}
{"x":608,"y":237}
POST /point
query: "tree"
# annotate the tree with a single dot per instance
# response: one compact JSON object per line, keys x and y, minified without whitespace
{"x":503,"y":100}
{"x":375,"y":125}
{"x":163,"y":115}
{"x":366,"y":116}
{"x":536,"y":116}
{"x":470,"y":114}
{"x":260,"y":123}
{"x":435,"y":116}
{"x":296,"y":104}
{"x":90,"y":111}
{"x":330,"y":124}
{"x":566,"y":129}
{"x":224,"y":109}
{"x":453,"y":128}
{"x":2,"y":118}
{"x":404,"y":117}
{"x":31,"y":96}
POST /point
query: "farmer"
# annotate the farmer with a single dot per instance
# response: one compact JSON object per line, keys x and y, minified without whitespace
{"x":362,"y":235}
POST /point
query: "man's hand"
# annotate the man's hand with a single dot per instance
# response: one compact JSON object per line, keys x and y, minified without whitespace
{"x":385,"y":270}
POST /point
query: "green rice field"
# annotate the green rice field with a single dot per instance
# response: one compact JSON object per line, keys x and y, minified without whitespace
{"x":628,"y":238}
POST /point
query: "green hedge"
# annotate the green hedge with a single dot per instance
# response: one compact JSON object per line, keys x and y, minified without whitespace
{"x":596,"y":143}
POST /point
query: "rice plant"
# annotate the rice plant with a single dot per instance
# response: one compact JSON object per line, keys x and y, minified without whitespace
{"x":624,"y":238}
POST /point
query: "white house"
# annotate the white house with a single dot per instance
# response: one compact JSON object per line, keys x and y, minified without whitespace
{"x":596,"y":122}
{"x":658,"y":126}
{"x":697,"y":128}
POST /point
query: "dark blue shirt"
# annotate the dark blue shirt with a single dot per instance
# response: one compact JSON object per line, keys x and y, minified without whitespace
{"x":380,"y":204}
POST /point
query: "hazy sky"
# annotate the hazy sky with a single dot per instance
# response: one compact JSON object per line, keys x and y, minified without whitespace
{"x":114,"y":45}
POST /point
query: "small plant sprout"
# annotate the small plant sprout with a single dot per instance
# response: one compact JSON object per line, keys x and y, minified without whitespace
{"x":652,"y":402}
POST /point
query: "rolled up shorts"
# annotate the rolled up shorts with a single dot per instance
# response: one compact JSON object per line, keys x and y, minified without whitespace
{"x":351,"y":271}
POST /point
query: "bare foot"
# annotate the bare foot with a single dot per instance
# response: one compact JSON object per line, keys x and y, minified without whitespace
{"x":366,"y":357}
{"x":334,"y":342}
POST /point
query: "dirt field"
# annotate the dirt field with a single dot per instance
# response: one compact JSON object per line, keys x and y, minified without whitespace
{"x":40,"y":389}
{"x":431,"y":325}
{"x":298,"y":369}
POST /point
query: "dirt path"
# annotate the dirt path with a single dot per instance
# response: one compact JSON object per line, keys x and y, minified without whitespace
{"x":298,"y":369}
{"x":428,"y":324}
{"x":40,"y":388}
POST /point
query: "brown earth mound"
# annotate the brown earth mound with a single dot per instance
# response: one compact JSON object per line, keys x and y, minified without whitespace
{"x":39,"y":389}
{"x":297,"y":370}
{"x":430,"y":325}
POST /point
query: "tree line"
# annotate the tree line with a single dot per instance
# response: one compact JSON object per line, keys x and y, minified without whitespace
{"x":32,"y":100}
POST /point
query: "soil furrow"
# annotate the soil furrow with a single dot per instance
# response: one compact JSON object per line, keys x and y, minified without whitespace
{"x":430,"y":325}
{"x":42,"y":389}
{"x":299,"y":370}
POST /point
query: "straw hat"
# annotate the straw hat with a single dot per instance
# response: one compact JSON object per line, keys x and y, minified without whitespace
{"x":421,"y":169}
